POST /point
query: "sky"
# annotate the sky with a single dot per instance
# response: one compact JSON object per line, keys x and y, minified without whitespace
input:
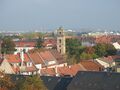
{"x":50,"y":14}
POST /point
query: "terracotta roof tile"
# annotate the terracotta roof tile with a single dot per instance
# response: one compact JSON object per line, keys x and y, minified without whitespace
{"x":25,"y":43}
{"x":48,"y":71}
{"x":91,"y":66}
{"x":60,"y":59}
{"x":46,"y":55}
{"x":30,"y":69}
{"x":26,"y":58}
{"x":36,"y":58}
{"x":73,"y":69}
{"x":13,"y":58}
{"x":52,"y":42}
{"x":110,"y":59}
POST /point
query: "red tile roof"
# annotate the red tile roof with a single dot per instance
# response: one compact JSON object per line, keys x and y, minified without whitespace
{"x":48,"y":71}
{"x":73,"y":69}
{"x":70,"y":70}
{"x":25,"y":43}
{"x":36,"y":58}
{"x":60,"y":59}
{"x":30,"y":69}
{"x":91,"y":66}
{"x":46,"y":55}
{"x":26,"y":58}
{"x":41,"y":56}
{"x":107,"y":38}
{"x":16,"y":58}
{"x":110,"y":59}
{"x":13,"y":58}
{"x":52,"y":42}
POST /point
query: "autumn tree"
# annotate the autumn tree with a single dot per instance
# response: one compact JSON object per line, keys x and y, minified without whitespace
{"x":88,"y":53}
{"x":7,"y":46}
{"x":89,"y":50}
{"x":5,"y":82}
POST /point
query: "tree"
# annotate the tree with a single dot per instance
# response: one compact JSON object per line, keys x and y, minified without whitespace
{"x":7,"y":46}
{"x":88,"y":53}
{"x":104,"y":49}
{"x":33,"y":83}
{"x":5,"y":82}
{"x":89,"y":50}
{"x":39,"y":43}
{"x":110,"y":49}
{"x":73,"y":49}
{"x":85,"y":56}
{"x":72,"y":44}
{"x":100,"y":49}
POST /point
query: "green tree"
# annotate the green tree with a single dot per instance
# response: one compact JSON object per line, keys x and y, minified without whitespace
{"x":39,"y":43}
{"x":85,"y":56}
{"x":110,"y":49}
{"x":73,"y":49}
{"x":104,"y":49}
{"x":33,"y":83}
{"x":100,"y":49}
{"x":7,"y":46}
{"x":71,"y":45}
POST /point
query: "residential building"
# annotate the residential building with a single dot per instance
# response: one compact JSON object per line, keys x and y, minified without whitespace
{"x":24,"y":46}
{"x":71,"y":70}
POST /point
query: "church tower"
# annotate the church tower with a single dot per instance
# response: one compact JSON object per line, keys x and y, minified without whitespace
{"x":61,"y":40}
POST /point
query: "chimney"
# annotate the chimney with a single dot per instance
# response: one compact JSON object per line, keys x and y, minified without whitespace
{"x":56,"y":71}
{"x":22,"y":56}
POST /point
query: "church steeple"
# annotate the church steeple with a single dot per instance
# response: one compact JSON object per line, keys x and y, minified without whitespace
{"x":61,"y":40}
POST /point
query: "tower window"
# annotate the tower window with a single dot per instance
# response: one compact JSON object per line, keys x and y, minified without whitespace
{"x":59,"y":40}
{"x":60,"y":50}
{"x":60,"y":33}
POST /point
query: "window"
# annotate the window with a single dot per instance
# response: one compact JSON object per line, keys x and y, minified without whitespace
{"x":59,"y":40}
{"x":60,"y":50}
{"x":60,"y":33}
{"x":29,"y":64}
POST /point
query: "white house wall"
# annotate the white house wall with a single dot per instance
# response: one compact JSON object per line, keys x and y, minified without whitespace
{"x":102,"y":63}
{"x":5,"y":66}
{"x":18,"y":49}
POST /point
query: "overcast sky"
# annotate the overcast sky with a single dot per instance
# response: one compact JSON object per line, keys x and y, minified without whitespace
{"x":50,"y":14}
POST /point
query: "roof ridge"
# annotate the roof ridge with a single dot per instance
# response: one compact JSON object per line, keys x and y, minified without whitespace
{"x":82,"y":66}
{"x":31,"y":59}
{"x":41,"y":57}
